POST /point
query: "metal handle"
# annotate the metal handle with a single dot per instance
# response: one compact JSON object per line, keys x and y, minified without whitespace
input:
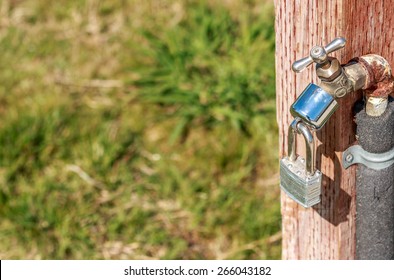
{"x":319,"y":54}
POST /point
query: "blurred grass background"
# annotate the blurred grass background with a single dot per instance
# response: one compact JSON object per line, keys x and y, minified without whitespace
{"x":138,"y":130}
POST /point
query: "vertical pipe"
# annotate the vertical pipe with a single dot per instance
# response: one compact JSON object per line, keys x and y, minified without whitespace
{"x":375,"y":188}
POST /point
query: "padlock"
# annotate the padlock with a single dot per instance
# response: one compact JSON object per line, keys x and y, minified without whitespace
{"x":314,"y":106}
{"x":298,"y":177}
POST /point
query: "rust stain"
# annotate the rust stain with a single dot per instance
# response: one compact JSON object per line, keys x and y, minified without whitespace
{"x":380,"y":82}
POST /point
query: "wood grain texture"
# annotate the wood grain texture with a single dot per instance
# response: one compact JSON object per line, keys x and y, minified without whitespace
{"x":326,"y":231}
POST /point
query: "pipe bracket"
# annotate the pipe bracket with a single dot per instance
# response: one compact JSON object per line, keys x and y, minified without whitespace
{"x":356,"y":154}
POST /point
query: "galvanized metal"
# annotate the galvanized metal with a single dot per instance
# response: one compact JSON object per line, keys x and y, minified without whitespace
{"x":375,"y":106}
{"x":356,"y":154}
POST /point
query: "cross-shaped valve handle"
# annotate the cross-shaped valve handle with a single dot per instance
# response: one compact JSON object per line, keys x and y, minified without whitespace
{"x":319,"y":54}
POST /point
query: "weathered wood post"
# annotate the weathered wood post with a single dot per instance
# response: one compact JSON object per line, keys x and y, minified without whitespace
{"x":327,"y":230}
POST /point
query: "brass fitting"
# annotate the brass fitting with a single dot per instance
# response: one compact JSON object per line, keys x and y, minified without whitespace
{"x":371,"y":73}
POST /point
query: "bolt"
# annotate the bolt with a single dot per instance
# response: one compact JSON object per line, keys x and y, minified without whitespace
{"x":349,"y":158}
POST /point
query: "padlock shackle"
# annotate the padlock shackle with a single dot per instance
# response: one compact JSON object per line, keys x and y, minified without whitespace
{"x":291,"y":142}
{"x":309,"y":146}
{"x":297,"y":126}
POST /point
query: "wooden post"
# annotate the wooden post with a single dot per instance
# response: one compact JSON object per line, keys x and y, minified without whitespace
{"x":326,"y":231}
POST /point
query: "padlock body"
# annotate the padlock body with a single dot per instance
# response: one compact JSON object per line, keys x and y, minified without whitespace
{"x":295,"y":182}
{"x":314,"y":106}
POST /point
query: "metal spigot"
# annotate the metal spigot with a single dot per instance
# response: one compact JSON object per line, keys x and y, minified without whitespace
{"x":371,"y":73}
{"x":319,"y":55}
{"x":334,"y":79}
{"x":316,"y":103}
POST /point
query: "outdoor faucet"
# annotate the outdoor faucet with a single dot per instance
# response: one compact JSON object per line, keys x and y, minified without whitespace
{"x":371,"y":73}
{"x":317,"y":103}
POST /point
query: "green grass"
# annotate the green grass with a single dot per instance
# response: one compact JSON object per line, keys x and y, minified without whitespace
{"x":138,"y":130}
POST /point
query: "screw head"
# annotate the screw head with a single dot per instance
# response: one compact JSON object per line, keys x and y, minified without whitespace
{"x":317,"y":50}
{"x":349,"y":158}
{"x":318,"y":54}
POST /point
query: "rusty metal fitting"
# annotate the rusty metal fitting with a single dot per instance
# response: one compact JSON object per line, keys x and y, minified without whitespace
{"x":379,"y":83}
{"x":371,"y":73}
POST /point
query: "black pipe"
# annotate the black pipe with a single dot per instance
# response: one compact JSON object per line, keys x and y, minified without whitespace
{"x":375,"y":189}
